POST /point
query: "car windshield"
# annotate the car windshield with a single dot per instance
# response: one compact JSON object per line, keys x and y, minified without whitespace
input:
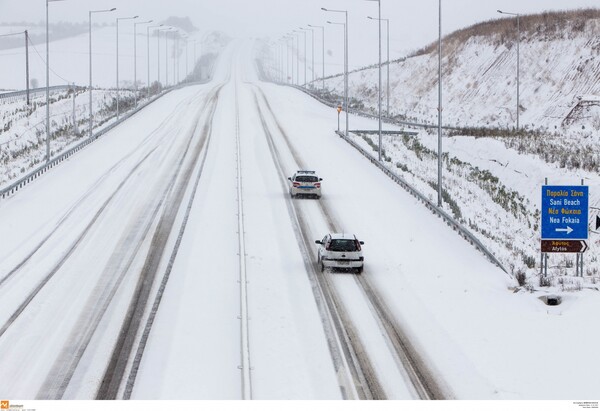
{"x":342,"y":245}
{"x":307,"y":179}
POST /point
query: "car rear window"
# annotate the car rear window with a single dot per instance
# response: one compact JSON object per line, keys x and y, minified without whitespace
{"x":307,"y":179}
{"x":342,"y":245}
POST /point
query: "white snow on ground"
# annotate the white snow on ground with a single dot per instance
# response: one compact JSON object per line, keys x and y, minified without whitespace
{"x":483,"y":340}
{"x":486,"y":341}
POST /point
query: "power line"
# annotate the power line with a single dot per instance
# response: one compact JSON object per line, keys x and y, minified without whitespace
{"x":44,"y":61}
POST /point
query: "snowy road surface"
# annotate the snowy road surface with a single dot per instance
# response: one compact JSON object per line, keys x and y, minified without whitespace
{"x":167,"y":261}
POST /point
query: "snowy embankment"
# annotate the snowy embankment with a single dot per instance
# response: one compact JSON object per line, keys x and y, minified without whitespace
{"x":23,"y":135}
{"x":557,"y":69}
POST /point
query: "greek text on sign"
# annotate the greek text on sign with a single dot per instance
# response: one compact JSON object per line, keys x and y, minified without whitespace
{"x":565,"y":212}
{"x":564,"y":246}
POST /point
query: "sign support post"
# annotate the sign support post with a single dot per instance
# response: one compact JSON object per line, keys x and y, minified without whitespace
{"x":564,"y":225}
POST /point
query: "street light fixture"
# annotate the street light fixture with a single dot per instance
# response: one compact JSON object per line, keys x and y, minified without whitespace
{"x":119,"y":19}
{"x":91,"y":83}
{"x":517,"y":15}
{"x":135,"y":87}
{"x":148,"y":44}
{"x":323,"y":49}
{"x":345,"y":59}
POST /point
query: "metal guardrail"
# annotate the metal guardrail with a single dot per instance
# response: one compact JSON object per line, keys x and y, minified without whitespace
{"x":450,"y":221}
{"x":32,"y":175}
{"x":20,"y":183}
{"x":14,"y":95}
{"x":385,"y":132}
{"x":364,"y":113}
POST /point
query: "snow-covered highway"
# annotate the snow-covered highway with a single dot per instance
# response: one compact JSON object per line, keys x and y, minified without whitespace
{"x":167,"y":261}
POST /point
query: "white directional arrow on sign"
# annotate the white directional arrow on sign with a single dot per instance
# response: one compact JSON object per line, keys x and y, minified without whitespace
{"x":567,"y":230}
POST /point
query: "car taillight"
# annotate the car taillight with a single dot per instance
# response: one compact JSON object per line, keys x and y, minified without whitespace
{"x":296,"y":184}
{"x":318,"y":185}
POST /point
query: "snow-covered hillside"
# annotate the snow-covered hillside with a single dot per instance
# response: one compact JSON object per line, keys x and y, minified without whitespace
{"x":559,"y":64}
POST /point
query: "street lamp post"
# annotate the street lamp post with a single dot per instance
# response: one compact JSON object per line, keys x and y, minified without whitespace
{"x":292,"y":38}
{"x":345,"y":60}
{"x":323,"y":50}
{"x":518,"y":57}
{"x":91,"y":84}
{"x":379,"y":94}
{"x":148,"y":44}
{"x":48,"y":85}
{"x":304,"y":32}
{"x":440,"y":105}
{"x":195,"y":60}
{"x":175,"y":54}
{"x":119,"y":19}
{"x":158,"y":51}
{"x":312,"y":48}
{"x":167,"y":56}
{"x":288,"y":66}
{"x":387,"y":63}
{"x":135,"y":87}
{"x":297,"y":37}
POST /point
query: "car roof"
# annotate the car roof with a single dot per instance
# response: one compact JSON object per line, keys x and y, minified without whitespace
{"x":342,"y":236}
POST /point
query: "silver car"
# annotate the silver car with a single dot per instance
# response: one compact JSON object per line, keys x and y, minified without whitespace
{"x":340,"y":250}
{"x":305,"y":183}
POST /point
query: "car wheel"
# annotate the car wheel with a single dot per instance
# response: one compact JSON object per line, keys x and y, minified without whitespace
{"x":322,"y":267}
{"x":359,"y":270}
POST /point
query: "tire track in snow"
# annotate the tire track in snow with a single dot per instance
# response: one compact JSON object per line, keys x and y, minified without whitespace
{"x":353,"y":367}
{"x":80,"y":201}
{"x":420,"y":375}
{"x":116,"y":369}
{"x":115,"y":272}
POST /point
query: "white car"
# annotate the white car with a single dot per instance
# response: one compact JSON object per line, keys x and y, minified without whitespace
{"x":305,"y":183}
{"x":340,"y":250}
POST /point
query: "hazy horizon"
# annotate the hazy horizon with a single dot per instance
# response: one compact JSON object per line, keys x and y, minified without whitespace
{"x":412,"y":25}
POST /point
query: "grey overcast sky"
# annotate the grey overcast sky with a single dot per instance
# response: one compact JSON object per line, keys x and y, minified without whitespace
{"x":413,"y":24}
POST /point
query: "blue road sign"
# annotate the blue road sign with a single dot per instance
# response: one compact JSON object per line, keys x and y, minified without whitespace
{"x":565,"y":212}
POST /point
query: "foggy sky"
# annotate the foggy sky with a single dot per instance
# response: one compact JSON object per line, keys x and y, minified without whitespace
{"x":413,"y":24}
